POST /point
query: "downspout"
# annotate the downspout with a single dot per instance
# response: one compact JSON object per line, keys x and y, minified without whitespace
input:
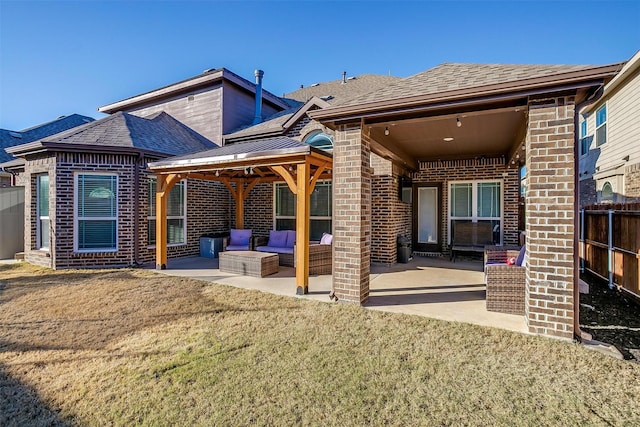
{"x":577,"y":332}
{"x":258,"y":115}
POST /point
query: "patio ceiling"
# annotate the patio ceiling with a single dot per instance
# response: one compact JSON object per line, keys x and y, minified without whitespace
{"x":493,"y":132}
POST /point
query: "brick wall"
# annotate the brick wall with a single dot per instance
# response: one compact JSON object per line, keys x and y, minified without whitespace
{"x":36,"y":165}
{"x":258,"y":209}
{"x":351,"y":215}
{"x":550,"y":217}
{"x":588,"y":193}
{"x":475,"y":169}
{"x":390,"y":216}
{"x":207,"y":211}
{"x":68,"y":164}
{"x":632,"y":183}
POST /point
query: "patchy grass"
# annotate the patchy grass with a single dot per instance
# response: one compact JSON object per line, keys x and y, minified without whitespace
{"x":122,"y":347}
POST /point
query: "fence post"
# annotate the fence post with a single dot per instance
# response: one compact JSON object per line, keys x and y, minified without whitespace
{"x":583,"y":249}
{"x":610,"y":250}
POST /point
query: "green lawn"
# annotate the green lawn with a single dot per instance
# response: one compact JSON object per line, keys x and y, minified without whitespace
{"x":129,"y":347}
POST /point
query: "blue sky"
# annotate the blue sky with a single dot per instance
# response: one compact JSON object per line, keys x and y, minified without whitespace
{"x":58,"y":58}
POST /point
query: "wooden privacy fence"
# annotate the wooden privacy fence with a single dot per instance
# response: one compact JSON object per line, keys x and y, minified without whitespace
{"x":610,"y":244}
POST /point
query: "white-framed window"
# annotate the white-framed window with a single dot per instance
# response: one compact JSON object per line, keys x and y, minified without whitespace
{"x":96,"y":212}
{"x":176,"y":214}
{"x":601,"y":125}
{"x":584,"y":141}
{"x":606,"y":195}
{"x":320,"y":209}
{"x":476,"y":201}
{"x":42,"y":206}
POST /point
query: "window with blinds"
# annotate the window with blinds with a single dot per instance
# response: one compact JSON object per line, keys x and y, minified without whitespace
{"x":478,"y":201}
{"x":96,"y":212}
{"x":176,"y":214}
{"x":320,"y":207}
{"x":601,"y":125}
{"x":43,"y":224}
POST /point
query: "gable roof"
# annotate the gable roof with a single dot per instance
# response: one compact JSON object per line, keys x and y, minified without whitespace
{"x":10,"y":138}
{"x":207,"y":78}
{"x":158,"y":134}
{"x":450,"y":81}
{"x":341,"y":92}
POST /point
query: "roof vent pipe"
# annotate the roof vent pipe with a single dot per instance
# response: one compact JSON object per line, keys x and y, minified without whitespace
{"x":344,"y":77}
{"x":258,"y":117}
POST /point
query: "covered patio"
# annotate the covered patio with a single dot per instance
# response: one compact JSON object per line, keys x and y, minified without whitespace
{"x":240,"y":168}
{"x":426,"y":286}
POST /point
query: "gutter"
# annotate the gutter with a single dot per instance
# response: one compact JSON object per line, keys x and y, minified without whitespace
{"x":577,"y":332}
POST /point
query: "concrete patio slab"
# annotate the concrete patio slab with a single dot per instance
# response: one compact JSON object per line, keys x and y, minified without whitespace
{"x":426,"y":286}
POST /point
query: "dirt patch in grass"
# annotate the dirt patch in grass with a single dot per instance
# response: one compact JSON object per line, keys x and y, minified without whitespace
{"x":123,"y":347}
{"x":611,"y":317}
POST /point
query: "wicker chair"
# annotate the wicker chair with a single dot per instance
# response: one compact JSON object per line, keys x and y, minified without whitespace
{"x":505,"y":283}
{"x":320,"y":259}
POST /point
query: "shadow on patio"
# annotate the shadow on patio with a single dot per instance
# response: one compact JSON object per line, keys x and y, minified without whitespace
{"x":431,"y":287}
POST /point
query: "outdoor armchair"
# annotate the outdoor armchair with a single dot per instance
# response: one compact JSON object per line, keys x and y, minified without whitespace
{"x":239,"y":240}
{"x":505,"y":281}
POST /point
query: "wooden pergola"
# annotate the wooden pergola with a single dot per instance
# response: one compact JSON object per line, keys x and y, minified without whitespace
{"x":240,"y":168}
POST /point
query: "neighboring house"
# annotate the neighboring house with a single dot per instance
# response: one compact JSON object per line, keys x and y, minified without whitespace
{"x":10,"y":138}
{"x":609,"y":131}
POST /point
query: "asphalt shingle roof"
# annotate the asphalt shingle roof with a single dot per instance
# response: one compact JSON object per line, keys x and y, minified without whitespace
{"x":159,"y":133}
{"x":453,"y":76}
{"x":10,"y":138}
{"x":341,"y":92}
{"x":271,"y":124}
{"x":338,"y":92}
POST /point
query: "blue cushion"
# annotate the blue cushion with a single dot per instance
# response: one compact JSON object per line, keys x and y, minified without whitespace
{"x":237,"y":248}
{"x":291,"y":238}
{"x":520,"y":258}
{"x":277,"y":238}
{"x":239,"y":238}
{"x":276,"y":249}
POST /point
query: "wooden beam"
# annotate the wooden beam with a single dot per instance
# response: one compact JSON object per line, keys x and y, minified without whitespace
{"x":240,"y":204}
{"x":284,"y":173}
{"x":164,"y":184}
{"x":250,"y":186}
{"x":317,"y":174}
{"x":227,"y":184}
{"x":302,"y":229}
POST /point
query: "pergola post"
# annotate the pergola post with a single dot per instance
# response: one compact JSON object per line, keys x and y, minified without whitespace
{"x":302,"y":228}
{"x":164,"y":184}
{"x":240,"y":204}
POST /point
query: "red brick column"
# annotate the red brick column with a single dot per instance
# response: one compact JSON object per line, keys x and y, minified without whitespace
{"x":351,"y":215}
{"x":550,"y":217}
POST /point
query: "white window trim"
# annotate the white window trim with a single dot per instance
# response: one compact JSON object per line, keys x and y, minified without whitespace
{"x":474,"y":206}
{"x":582,"y":137}
{"x":39,"y":243}
{"x":275,"y":194}
{"x":183,"y":217}
{"x":76,"y":218}
{"x":595,"y":121}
